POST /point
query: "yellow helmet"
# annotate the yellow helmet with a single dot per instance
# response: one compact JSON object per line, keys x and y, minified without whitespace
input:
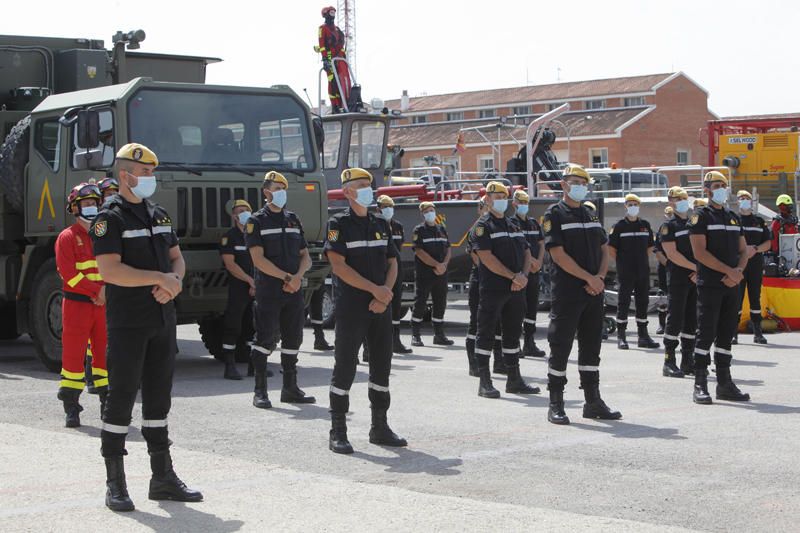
{"x":576,"y":170}
{"x":425,"y":205}
{"x":352,"y":174}
{"x":138,"y":153}
{"x":521,"y":196}
{"x":744,"y":193}
{"x":677,"y":192}
{"x":713,"y":176}
{"x":496,"y":186}
{"x":277,"y":177}
{"x":385,"y":201}
{"x":630,"y":197}
{"x":783,"y":199}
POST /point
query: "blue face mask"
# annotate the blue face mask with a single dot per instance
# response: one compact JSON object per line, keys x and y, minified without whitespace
{"x":500,"y":206}
{"x":430,"y":217}
{"x":364,"y":197}
{"x":522,"y":209}
{"x":145,"y":187}
{"x":578,"y":192}
{"x":745,"y":204}
{"x":243,"y":217}
{"x":387,"y":213}
{"x":719,"y":196}
{"x":279,"y":198}
{"x":682,"y":206}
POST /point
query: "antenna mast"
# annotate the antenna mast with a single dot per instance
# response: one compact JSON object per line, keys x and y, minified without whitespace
{"x":346,"y":13}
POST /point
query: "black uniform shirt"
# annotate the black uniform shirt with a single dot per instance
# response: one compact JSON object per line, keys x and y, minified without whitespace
{"x":631,"y":239}
{"x":398,"y":234}
{"x":756,"y":231}
{"x":281,"y":236}
{"x":431,"y":238}
{"x":533,"y":233}
{"x":233,"y":243}
{"x":142,"y":235}
{"x":366,"y":244}
{"x":722,"y":230}
{"x":677,"y":231}
{"x":580,"y":233}
{"x":505,"y":240}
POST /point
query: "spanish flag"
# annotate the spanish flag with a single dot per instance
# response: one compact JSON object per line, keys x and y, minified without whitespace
{"x":460,"y":145}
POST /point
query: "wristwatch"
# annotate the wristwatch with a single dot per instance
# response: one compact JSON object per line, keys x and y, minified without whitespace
{"x":287,"y":278}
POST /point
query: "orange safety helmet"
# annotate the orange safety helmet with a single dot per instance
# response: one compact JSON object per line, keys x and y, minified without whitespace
{"x":83,"y":191}
{"x":327,"y":10}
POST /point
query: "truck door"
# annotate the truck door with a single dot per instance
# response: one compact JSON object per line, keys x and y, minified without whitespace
{"x":45,"y":177}
{"x":101,"y":157}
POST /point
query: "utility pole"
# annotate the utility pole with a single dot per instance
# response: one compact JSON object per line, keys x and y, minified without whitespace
{"x":346,"y":13}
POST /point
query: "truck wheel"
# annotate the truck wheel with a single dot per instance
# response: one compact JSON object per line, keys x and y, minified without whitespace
{"x":8,"y":322}
{"x":13,"y":158}
{"x":328,"y":308}
{"x":211,"y":333}
{"x":45,"y":315}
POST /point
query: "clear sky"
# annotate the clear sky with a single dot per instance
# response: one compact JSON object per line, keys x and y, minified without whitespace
{"x":743,"y":52}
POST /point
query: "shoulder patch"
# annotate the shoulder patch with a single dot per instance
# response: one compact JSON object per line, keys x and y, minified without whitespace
{"x":224,"y":241}
{"x":333,"y":235}
{"x":733,"y":221}
{"x":611,"y":231}
{"x":664,"y":230}
{"x":547,"y":226}
{"x":100,"y":228}
{"x":695,"y":219}
{"x":479,"y":231}
{"x":249,"y":227}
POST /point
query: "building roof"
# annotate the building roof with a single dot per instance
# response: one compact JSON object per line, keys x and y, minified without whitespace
{"x":775,"y":116}
{"x":534,"y":93}
{"x":602,"y":122}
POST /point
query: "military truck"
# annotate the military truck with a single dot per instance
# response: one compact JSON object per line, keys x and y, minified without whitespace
{"x":67,"y":105}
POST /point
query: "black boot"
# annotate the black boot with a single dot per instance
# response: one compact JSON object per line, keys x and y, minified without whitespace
{"x":416,"y":339}
{"x":319,"y":339}
{"x":670,"y":369}
{"x":381,"y":433}
{"x":595,"y":407}
{"x":701,"y":394}
{"x":758,"y":334}
{"x":291,"y":393}
{"x":473,"y":364}
{"x":397,"y":345}
{"x":644,"y":338}
{"x":165,"y":483}
{"x":231,"y":372}
{"x":260,"y":398}
{"x":439,"y":338}
{"x":529,"y":348}
{"x":555,"y":413}
{"x":727,"y":389}
{"x":72,"y":408}
{"x":337,"y":442}
{"x":662,"y":321}
{"x":498,"y":365}
{"x":516,"y":385}
{"x":117,"y":498}
{"x":485,"y":387}
{"x":622,"y":344}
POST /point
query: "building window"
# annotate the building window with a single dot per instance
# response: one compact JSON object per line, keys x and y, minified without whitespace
{"x":487,"y":113}
{"x":554,"y":105}
{"x":456,"y":115}
{"x":599,"y":157}
{"x":633,"y":101}
{"x":419,"y":119}
{"x":485,"y":163}
{"x":595,"y":104}
{"x":521,"y":110}
{"x":683,"y":157}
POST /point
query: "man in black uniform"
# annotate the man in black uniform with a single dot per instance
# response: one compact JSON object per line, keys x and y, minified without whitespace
{"x":758,"y":237}
{"x":533,"y":234}
{"x":658,"y":250}
{"x":681,"y":285}
{"x":631,"y":243}
{"x":241,"y":286}
{"x":578,"y":247}
{"x":385,"y":210}
{"x":139,"y":258}
{"x":720,"y":250}
{"x":431,"y":257}
{"x":364,"y":258}
{"x":505,"y":262}
{"x":474,"y":288}
{"x":280,"y":256}
{"x":315,"y":315}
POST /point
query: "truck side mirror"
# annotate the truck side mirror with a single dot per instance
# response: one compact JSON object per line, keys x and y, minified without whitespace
{"x":319,"y":132}
{"x":88,"y":129}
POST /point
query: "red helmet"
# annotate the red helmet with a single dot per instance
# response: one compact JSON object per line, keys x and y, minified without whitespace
{"x":107,"y":184}
{"x":83,"y":191}
{"x":327,"y":10}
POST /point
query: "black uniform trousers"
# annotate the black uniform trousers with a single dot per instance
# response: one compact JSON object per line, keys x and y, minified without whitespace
{"x":146,"y":357}
{"x":472,"y":328}
{"x":315,"y":306}
{"x":355,"y":324}
{"x":236,"y":312}
{"x":429,"y":284}
{"x":281,"y":316}
{"x":397,"y":299}
{"x":531,"y":303}
{"x":753,"y":276}
{"x":583,"y":315}
{"x":639,"y":285}
{"x":505,"y":308}
{"x":716,"y":324}
{"x":681,"y":317}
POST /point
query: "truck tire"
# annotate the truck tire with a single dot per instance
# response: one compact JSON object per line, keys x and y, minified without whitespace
{"x":45,"y":315}
{"x":329,"y":308}
{"x":13,"y":158}
{"x":8,"y":322}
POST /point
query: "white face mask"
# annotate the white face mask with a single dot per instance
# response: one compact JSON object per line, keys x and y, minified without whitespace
{"x":430,"y":217}
{"x":364,"y":196}
{"x":243,"y":217}
{"x":578,"y":192}
{"x":633,"y":210}
{"x":500,"y":205}
{"x":145,"y":187}
{"x":745,"y":204}
{"x":88,"y":213}
{"x":522,"y":209}
{"x":719,"y":196}
{"x":387,"y":213}
{"x":279,"y":198}
{"x":682,"y":206}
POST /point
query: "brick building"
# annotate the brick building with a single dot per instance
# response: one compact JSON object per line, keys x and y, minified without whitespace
{"x":633,"y":121}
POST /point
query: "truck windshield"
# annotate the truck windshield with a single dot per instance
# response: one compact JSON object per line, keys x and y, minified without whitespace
{"x":206,"y":129}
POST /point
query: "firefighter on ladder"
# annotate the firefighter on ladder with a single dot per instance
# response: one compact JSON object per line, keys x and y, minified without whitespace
{"x":332,"y":45}
{"x":83,"y":306}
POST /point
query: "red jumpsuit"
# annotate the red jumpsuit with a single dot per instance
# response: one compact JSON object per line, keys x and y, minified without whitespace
{"x":782,"y":225}
{"x":82,"y":320}
{"x":332,"y":44}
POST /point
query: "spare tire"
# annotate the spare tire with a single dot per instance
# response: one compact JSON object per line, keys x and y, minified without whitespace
{"x":13,"y":158}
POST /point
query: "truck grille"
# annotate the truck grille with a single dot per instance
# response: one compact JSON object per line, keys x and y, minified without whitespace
{"x":201,"y":208}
